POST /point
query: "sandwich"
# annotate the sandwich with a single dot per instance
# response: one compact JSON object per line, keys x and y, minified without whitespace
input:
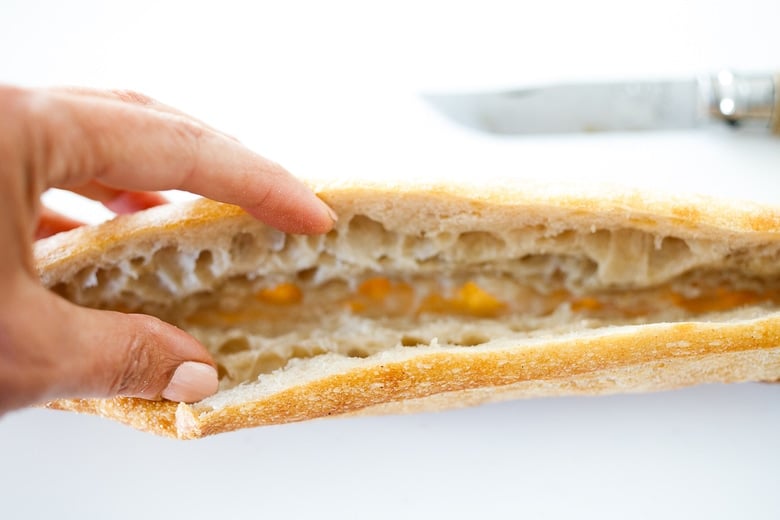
{"x":434,"y":296}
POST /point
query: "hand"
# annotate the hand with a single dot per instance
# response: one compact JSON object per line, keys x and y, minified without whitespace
{"x":112,"y":147}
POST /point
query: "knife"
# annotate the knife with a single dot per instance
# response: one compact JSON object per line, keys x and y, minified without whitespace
{"x":739,"y":100}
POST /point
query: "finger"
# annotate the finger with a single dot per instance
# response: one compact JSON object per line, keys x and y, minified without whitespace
{"x":138,"y":150}
{"x":90,"y":353}
{"x":51,"y":222}
{"x":120,"y":201}
{"x":132,"y":97}
{"x":134,"y":355}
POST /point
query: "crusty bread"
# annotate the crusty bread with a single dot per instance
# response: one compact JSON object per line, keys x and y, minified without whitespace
{"x":436,"y":296}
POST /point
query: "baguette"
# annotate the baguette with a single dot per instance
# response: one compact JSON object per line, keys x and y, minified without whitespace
{"x":434,"y":296}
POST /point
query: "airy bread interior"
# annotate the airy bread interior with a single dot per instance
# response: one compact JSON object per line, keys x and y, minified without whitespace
{"x":277,"y":310}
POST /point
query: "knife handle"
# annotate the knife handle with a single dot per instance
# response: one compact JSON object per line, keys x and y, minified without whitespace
{"x":741,"y":99}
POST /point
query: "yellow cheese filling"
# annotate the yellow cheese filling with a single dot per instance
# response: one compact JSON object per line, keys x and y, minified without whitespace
{"x":380,"y":296}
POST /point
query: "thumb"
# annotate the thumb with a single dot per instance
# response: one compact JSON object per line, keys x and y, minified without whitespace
{"x":80,"y":352}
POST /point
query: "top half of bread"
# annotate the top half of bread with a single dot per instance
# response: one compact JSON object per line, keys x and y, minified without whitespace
{"x":554,"y":288}
{"x":630,"y":239}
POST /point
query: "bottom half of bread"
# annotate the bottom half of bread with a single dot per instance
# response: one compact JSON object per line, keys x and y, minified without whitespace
{"x":604,"y":360}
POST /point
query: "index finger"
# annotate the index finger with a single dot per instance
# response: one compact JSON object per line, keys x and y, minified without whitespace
{"x":125,"y":147}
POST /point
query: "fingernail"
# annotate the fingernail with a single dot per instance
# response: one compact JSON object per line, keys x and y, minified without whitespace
{"x":331,"y":213}
{"x":130,"y":202}
{"x":191,"y":382}
{"x":120,"y":204}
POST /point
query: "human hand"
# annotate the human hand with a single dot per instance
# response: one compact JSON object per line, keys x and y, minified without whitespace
{"x":112,"y":147}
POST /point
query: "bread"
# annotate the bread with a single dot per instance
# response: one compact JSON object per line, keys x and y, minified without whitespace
{"x":426,"y":297}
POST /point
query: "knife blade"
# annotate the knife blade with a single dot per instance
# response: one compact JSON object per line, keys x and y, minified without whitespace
{"x":736,"y":99}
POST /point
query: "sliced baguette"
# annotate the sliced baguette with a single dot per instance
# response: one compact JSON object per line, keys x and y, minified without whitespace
{"x":427,"y":297}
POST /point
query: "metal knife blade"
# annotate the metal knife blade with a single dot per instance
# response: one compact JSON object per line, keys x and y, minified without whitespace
{"x":619,"y":106}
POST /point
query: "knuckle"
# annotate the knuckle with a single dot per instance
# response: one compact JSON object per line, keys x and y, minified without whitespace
{"x":263,"y":199}
{"x":188,"y":130}
{"x":48,"y":136}
{"x":21,"y":113}
{"x":132,"y":96}
{"x":135,"y":376}
{"x":188,"y":136}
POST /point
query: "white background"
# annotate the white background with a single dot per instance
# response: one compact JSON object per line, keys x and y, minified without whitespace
{"x":331,"y":89}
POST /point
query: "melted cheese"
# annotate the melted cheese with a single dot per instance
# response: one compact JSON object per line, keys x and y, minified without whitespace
{"x":721,"y":299}
{"x":380,"y":296}
{"x":282,"y":294}
{"x":469,"y":300}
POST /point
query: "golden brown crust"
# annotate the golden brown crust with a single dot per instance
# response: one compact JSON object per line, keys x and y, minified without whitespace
{"x":152,"y":416}
{"x":653,"y":376}
{"x":498,"y":202}
{"x":91,"y":241}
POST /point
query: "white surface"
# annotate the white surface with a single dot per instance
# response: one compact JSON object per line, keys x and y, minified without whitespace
{"x":699,"y":453}
{"x":330,"y":89}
